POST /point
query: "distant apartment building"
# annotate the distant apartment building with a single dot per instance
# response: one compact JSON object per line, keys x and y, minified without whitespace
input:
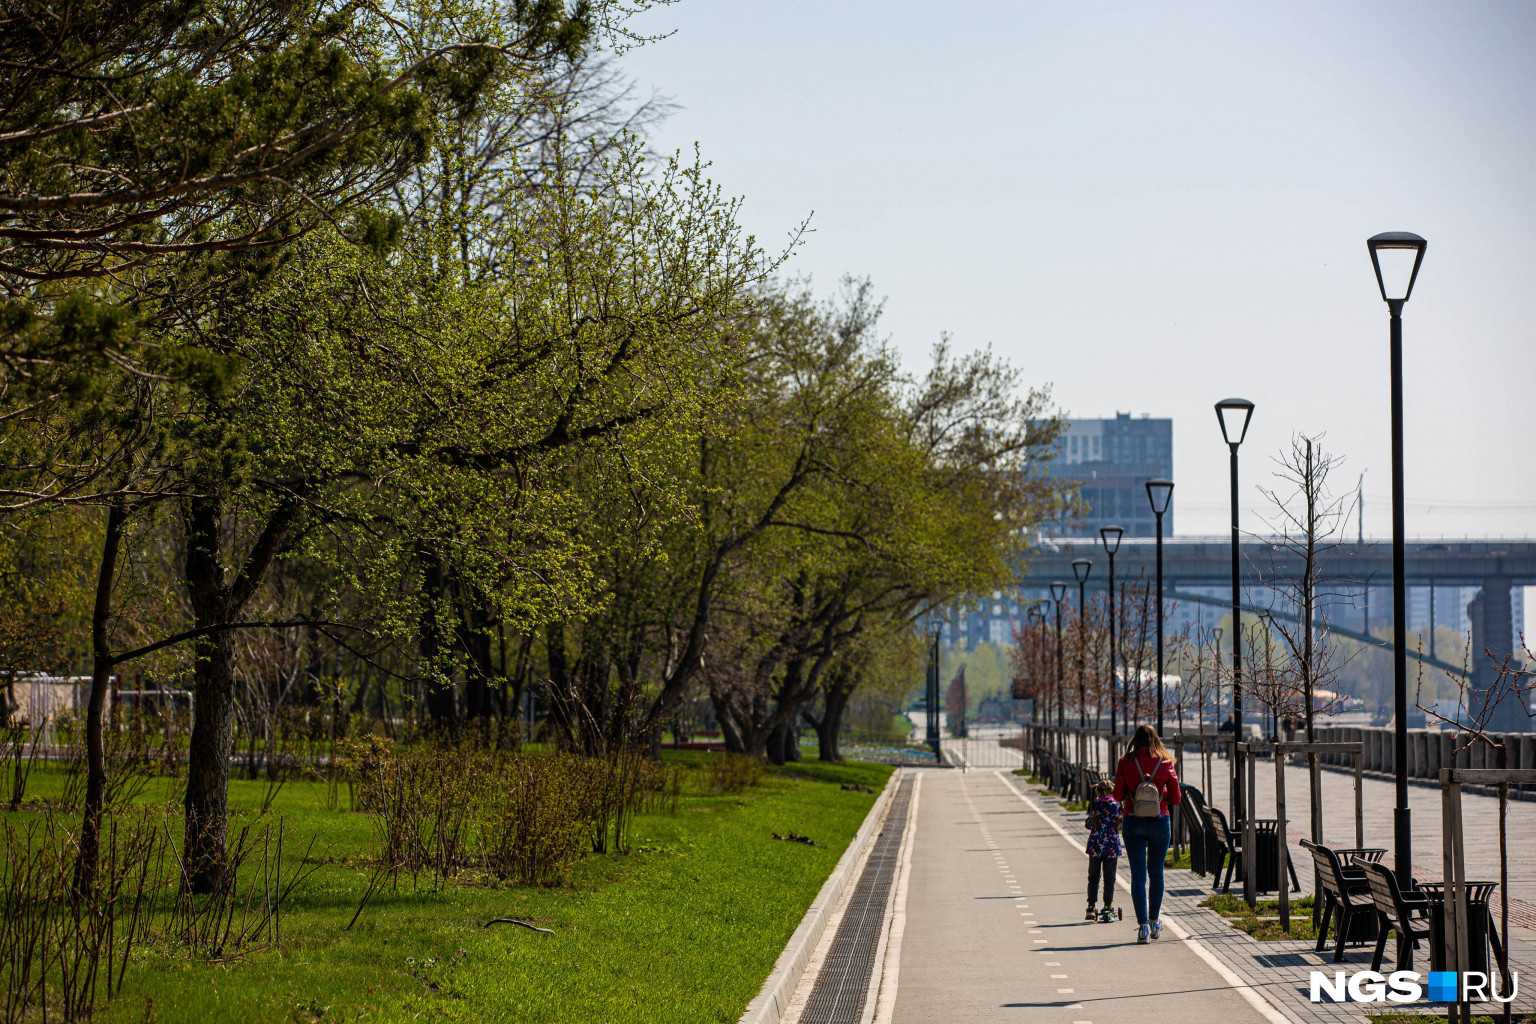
{"x":1111,"y":461}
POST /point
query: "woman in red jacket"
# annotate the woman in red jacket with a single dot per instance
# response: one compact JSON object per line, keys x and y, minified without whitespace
{"x":1145,"y":784}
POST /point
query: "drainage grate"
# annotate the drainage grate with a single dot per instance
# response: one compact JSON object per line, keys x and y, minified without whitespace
{"x":841,"y":987}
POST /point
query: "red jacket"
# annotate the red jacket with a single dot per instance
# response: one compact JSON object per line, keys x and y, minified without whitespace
{"x":1128,"y":777}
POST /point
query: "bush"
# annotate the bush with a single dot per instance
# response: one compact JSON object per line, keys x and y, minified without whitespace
{"x":518,"y":816}
{"x":59,"y":948}
{"x":732,"y":773}
{"x":538,"y":818}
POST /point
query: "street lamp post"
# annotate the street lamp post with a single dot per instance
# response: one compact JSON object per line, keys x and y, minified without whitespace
{"x":932,"y":702}
{"x":1080,"y":569}
{"x":1035,"y":617}
{"x":1395,"y":256}
{"x":1159,"y":494}
{"x":1233,"y":414}
{"x":1216,"y":658}
{"x":1109,"y":536}
{"x":1058,"y":592}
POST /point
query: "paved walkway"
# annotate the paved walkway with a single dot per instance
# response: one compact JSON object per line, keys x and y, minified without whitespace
{"x":984,"y":923}
{"x":994,"y":930}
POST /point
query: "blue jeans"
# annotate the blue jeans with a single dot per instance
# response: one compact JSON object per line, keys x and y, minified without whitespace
{"x":1146,"y":846}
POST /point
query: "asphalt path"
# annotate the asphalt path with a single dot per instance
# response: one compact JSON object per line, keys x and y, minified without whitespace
{"x":993,"y":929}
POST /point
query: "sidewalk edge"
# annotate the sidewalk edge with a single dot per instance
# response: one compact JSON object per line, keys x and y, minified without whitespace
{"x":768,"y":1006}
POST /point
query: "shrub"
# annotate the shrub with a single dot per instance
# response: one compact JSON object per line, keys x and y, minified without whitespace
{"x":731,"y":773}
{"x":520,"y":817}
{"x":59,"y":948}
{"x":536,"y":821}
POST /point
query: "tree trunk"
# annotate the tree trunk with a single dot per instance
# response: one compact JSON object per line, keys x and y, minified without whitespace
{"x":441,"y":700}
{"x":101,"y":679}
{"x":831,"y":725}
{"x":212,"y":741}
{"x":475,"y":639}
{"x":561,"y":696}
{"x":215,"y":606}
{"x":213,"y":714}
{"x":728,"y":731}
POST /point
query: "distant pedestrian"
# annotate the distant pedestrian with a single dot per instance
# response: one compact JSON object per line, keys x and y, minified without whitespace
{"x":1145,"y":784}
{"x":1103,"y":849}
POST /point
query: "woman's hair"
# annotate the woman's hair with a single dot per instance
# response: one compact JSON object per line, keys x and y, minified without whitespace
{"x":1103,"y":789}
{"x":1146,"y":738}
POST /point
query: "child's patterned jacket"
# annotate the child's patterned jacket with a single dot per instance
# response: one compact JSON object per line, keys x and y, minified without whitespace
{"x":1104,"y":827}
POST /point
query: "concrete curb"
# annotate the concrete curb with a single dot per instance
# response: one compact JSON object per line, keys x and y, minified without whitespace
{"x":773,"y":999}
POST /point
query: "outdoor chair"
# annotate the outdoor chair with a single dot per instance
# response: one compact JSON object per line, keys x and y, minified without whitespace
{"x":1068,"y":779}
{"x":1192,"y":824}
{"x":1346,"y":894}
{"x":1226,"y":848}
{"x":1043,"y":764}
{"x":1407,"y":914}
{"x":1089,"y":778}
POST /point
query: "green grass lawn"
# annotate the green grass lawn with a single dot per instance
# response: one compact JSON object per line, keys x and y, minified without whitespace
{"x":684,"y":928}
{"x":1262,"y":921}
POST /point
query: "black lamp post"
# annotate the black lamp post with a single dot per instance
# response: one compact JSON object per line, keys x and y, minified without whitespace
{"x":1058,"y":592}
{"x":1109,"y":536}
{"x":1233,"y":414}
{"x":1035,"y":616}
{"x":1216,"y":657}
{"x":1159,"y":494}
{"x":1080,"y":568}
{"x":1396,"y":256}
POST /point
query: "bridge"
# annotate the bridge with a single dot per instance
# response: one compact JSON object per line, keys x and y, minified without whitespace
{"x":1495,"y":566}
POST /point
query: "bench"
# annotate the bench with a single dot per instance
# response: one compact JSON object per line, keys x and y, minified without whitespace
{"x":1407,"y":914}
{"x":1346,"y":894}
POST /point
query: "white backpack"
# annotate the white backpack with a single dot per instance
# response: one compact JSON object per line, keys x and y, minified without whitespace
{"x":1147,"y":802}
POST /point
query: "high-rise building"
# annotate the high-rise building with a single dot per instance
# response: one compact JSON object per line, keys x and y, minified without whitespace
{"x":1111,"y":460}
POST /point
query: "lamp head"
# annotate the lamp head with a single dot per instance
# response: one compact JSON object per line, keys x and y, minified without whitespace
{"x":1396,"y":256}
{"x":1109,"y":536}
{"x":1159,"y":493}
{"x":1080,"y":567}
{"x":1233,"y":414}
{"x":1058,"y":591}
{"x":1035,"y":615}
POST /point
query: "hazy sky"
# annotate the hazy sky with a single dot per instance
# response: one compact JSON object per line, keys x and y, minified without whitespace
{"x":1154,"y":206}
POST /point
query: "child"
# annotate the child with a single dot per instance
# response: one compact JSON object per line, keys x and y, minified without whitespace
{"x":1103,"y":823}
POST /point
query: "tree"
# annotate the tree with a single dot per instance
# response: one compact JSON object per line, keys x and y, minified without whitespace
{"x":1308,"y":524}
{"x":156,"y":154}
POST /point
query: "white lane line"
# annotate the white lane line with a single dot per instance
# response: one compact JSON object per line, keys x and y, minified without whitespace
{"x":1251,"y":995}
{"x":890,"y":967}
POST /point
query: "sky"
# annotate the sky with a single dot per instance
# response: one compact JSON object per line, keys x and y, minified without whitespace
{"x":1151,"y":207}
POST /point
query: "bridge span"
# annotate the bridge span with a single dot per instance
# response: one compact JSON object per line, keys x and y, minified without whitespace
{"x":1495,"y":566}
